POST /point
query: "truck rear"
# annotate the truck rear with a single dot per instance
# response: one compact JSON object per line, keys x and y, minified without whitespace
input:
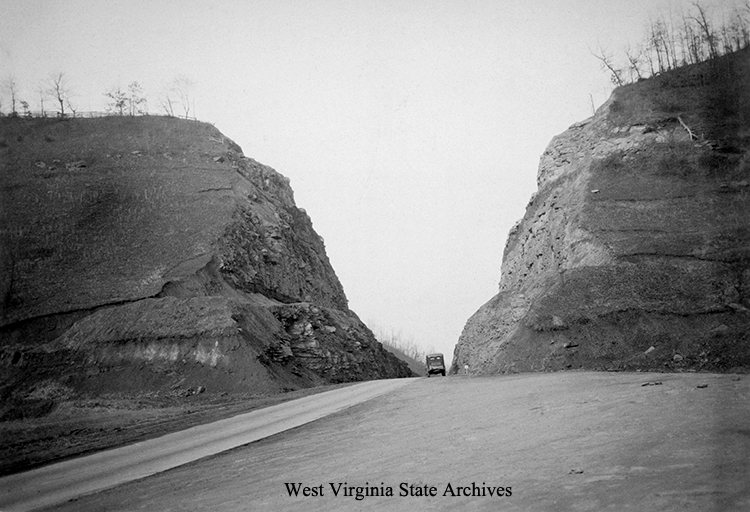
{"x":435,"y":363}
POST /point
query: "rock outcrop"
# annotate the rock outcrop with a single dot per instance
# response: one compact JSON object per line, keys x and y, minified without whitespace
{"x":635,"y":251}
{"x":149,"y":254}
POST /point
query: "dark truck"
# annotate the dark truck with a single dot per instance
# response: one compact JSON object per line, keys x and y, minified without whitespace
{"x":435,"y":364}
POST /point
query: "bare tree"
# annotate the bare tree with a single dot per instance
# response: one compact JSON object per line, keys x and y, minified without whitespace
{"x":60,"y":91}
{"x":167,"y":102}
{"x":634,"y":61}
{"x":735,"y":32}
{"x":655,"y":43}
{"x":71,"y":107}
{"x":671,"y":40}
{"x":407,"y":346}
{"x":707,"y":31}
{"x":178,"y":94}
{"x":136,"y":99}
{"x":118,"y":101}
{"x":11,"y":87}
{"x":697,"y":39}
{"x":606,"y":62}
{"x":661,"y":41}
{"x":42,"y":90}
{"x":693,"y":42}
{"x":183,"y":86}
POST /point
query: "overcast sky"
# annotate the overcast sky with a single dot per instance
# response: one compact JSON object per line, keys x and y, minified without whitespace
{"x":411,"y":130}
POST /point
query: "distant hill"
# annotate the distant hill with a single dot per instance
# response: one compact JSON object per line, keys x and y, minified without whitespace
{"x":416,"y":366}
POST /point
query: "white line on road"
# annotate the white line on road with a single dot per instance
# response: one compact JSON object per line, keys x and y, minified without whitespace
{"x":66,"y":480}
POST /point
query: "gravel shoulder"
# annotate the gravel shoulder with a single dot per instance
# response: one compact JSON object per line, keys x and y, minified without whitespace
{"x":562,"y":441}
{"x":81,"y":427}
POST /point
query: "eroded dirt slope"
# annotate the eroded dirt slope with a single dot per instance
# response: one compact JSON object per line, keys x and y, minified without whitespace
{"x":149,"y":254}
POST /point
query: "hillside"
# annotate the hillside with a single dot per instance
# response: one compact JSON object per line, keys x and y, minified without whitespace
{"x":417,"y":367}
{"x":634,"y":253}
{"x":148,"y":254}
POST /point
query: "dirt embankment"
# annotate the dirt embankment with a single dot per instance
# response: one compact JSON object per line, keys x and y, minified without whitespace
{"x":148,"y":254}
{"x":633,"y":254}
{"x":78,"y":427}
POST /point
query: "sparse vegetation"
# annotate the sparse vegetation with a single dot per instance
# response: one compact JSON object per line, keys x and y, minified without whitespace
{"x":178,"y":93}
{"x":405,"y":349}
{"x":132,"y":100}
{"x":674,"y":42}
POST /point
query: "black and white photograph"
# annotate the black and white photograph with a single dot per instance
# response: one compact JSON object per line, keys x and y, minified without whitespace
{"x":374,"y":255}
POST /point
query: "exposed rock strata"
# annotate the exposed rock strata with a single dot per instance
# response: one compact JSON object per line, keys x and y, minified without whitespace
{"x":164,"y":260}
{"x":635,"y":251}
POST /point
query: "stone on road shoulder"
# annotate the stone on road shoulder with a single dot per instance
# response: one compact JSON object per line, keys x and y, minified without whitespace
{"x":564,"y":441}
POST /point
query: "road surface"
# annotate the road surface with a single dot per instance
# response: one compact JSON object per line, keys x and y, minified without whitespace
{"x":61,"y":482}
{"x":576,"y":441}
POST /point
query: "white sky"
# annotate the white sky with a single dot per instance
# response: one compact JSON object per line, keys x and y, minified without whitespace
{"x":411,"y":129}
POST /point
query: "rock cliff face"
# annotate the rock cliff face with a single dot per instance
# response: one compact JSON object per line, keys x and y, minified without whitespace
{"x":635,"y":251}
{"x":148,"y":254}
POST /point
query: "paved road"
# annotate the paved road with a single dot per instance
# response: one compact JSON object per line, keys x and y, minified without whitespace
{"x":61,"y":482}
{"x":575,"y":441}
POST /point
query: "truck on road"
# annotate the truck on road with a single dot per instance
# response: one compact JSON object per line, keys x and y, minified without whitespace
{"x":435,"y":364}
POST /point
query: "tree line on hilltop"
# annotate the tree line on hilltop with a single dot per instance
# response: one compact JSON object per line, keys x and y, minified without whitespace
{"x":674,"y":42}
{"x":56,"y":96}
{"x":406,"y":347}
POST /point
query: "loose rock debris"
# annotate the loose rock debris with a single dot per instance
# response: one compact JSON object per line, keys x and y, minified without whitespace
{"x":655,"y":383}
